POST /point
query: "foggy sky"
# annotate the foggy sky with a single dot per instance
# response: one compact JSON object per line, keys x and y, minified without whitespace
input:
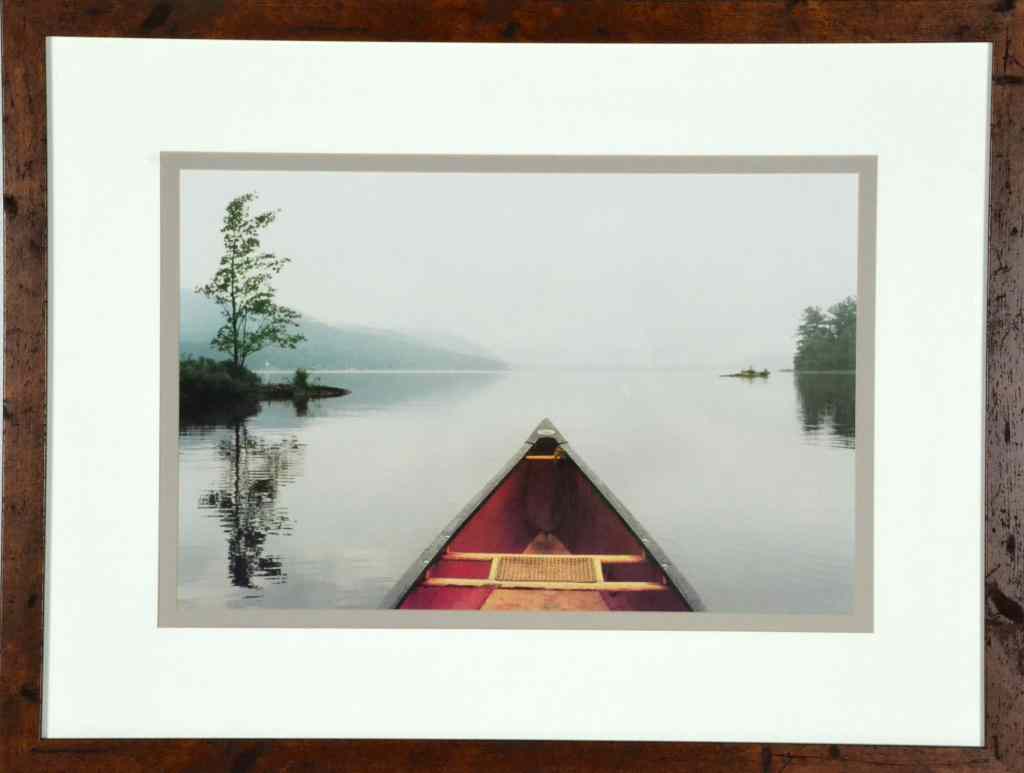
{"x":590,"y":269}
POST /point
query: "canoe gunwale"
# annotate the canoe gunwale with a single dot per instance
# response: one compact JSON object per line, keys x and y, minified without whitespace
{"x":654,"y":550}
{"x":545,"y":429}
{"x":412,"y":575}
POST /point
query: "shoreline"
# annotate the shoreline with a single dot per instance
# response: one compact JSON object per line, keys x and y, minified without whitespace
{"x":812,"y":372}
{"x":749,"y":373}
{"x":288,"y":391}
{"x":232,"y":411}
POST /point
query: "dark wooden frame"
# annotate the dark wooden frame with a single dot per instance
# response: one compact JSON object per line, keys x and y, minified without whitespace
{"x":26,"y":23}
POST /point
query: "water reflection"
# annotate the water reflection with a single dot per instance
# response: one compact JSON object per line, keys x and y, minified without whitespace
{"x":380,"y":472}
{"x":828,"y":405}
{"x":255,"y":451}
{"x":380,"y":391}
{"x":254,"y":470}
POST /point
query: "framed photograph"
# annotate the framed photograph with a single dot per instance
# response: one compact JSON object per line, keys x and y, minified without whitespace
{"x":642,"y":402}
{"x":433,"y":356}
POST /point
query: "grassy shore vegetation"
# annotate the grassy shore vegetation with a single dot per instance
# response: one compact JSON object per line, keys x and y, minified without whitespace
{"x":827,"y":340}
{"x":212,"y":390}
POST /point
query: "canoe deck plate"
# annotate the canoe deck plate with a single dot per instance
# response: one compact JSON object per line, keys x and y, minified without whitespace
{"x":545,"y":569}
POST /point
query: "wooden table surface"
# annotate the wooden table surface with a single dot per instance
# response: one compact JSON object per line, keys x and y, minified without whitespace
{"x":25,"y":25}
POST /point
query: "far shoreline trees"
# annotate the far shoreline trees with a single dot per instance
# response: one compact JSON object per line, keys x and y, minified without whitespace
{"x":827,"y":340}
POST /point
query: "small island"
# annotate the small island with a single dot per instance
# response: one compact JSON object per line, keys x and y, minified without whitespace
{"x":226,"y":390}
{"x":748,"y":372}
{"x":221,"y":391}
{"x":299,"y":391}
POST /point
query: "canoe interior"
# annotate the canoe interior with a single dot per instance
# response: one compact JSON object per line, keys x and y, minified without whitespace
{"x":547,"y":508}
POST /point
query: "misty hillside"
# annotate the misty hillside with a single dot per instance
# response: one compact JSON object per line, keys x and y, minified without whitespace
{"x":329,"y":347}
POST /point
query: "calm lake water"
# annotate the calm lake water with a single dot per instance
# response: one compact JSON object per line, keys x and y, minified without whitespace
{"x":747,"y":485}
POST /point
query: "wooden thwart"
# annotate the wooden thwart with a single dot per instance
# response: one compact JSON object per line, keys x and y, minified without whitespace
{"x":465,"y":582}
{"x":604,"y":558}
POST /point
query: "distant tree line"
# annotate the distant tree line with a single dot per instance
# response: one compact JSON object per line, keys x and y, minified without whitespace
{"x":827,"y":340}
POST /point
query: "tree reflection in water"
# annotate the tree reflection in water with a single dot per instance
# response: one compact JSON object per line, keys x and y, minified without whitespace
{"x":247,"y":502}
{"x":828,"y":405}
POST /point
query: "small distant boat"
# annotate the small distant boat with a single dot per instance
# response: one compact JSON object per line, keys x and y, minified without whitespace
{"x":544,"y":535}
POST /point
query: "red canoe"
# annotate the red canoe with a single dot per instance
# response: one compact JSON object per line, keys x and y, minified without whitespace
{"x":544,"y":534}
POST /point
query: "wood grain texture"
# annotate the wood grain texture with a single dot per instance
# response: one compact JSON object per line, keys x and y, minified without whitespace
{"x":25,"y":25}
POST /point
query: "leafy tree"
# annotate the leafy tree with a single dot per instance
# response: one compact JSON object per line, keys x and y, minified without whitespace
{"x":844,"y":329}
{"x":827,"y":340}
{"x":812,"y":338}
{"x":242,"y":287}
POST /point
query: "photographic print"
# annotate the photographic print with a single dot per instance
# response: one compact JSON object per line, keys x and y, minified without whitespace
{"x":551,"y":398}
{"x":579,"y":388}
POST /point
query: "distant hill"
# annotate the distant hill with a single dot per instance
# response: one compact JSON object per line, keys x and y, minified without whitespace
{"x":330,"y":347}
